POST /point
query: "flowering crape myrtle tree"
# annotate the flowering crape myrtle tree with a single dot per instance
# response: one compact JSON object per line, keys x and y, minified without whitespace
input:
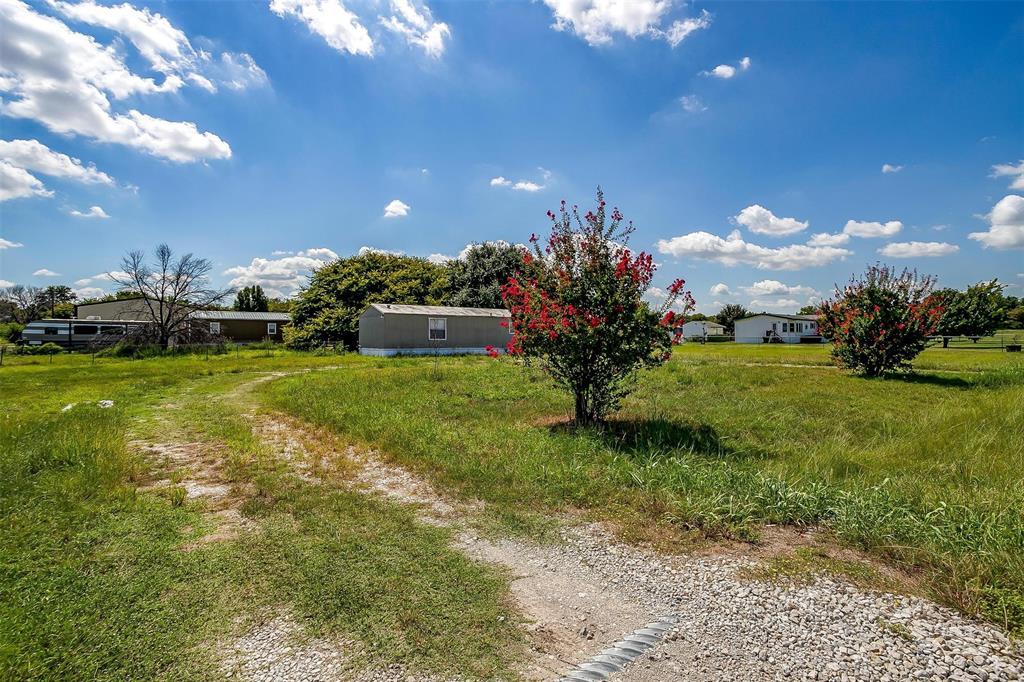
{"x":577,"y":307}
{"x":878,"y":324}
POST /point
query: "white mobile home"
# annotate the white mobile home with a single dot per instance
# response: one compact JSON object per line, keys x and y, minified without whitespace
{"x":774,"y":328}
{"x":700,"y":328}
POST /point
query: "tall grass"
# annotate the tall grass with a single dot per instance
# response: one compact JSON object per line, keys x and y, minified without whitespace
{"x":924,"y":471}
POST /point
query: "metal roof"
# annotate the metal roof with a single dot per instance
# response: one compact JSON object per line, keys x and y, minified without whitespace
{"x":439,"y":310}
{"x":240,"y":315}
{"x":781,"y":315}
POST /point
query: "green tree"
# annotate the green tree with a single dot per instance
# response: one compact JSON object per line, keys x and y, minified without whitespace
{"x":58,"y":300}
{"x":728,"y":315}
{"x":808,"y":310}
{"x":328,"y":309}
{"x":252,"y":299}
{"x":975,"y":312}
{"x":476,"y":280}
{"x":578,"y":310}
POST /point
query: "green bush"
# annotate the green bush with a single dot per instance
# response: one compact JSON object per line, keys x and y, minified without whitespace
{"x":10,"y":331}
{"x":43,"y":349}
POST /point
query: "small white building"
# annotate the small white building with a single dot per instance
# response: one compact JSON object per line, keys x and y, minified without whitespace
{"x":775,"y":328}
{"x":697,"y":329}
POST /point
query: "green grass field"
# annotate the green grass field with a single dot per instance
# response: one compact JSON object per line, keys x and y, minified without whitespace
{"x":94,"y":580}
{"x":923,"y":471}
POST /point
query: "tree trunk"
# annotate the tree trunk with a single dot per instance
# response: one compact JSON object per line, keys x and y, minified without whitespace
{"x":945,"y":342}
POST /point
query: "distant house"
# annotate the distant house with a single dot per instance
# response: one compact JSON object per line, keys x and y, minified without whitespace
{"x":234,"y":325}
{"x":398,"y":329}
{"x":777,"y":328}
{"x":242,"y":326}
{"x":699,"y":328}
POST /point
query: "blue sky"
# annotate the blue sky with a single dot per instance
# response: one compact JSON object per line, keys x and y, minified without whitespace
{"x":746,"y":140}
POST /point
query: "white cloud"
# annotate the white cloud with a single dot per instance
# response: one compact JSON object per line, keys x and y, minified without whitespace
{"x":760,"y":220}
{"x":396,"y":209}
{"x":774,"y":304}
{"x":890,"y":168}
{"x":65,"y":80}
{"x":681,"y":29}
{"x":103,"y":277}
{"x":1006,"y":225}
{"x":597,"y":21}
{"x":93,"y":212}
{"x":826,"y":239}
{"x":280,"y":277}
{"x":857,"y":228}
{"x":692,"y":104}
{"x":657,"y":296}
{"x":727,"y":71}
{"x":4,"y":283}
{"x":84,"y":293}
{"x":1008,"y":169}
{"x":438,"y":258}
{"x":18,"y":183}
{"x":523,"y":185}
{"x":418,"y":27}
{"x":330,"y":20}
{"x":45,"y":272}
{"x":236,"y":71}
{"x":33,"y":155}
{"x":772,"y":287}
{"x":720,"y":289}
{"x":364,"y":250}
{"x":8,"y":244}
{"x":734,"y":251}
{"x":918,"y":249}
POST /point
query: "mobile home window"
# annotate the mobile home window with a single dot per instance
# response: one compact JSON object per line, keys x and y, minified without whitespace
{"x":86,"y":329}
{"x":800,"y":327}
{"x":437,"y":329}
{"x":271,"y":328}
{"x":215,"y":327}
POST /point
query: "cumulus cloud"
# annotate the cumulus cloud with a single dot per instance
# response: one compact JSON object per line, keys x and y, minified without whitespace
{"x":720,"y":289}
{"x":523,"y":185}
{"x":18,"y":183}
{"x":772,"y":287}
{"x":104,"y":277}
{"x":826,"y":239}
{"x":597,"y":21}
{"x":890,"y":168}
{"x":396,"y":209}
{"x":1006,"y":225}
{"x":93,"y":212}
{"x":760,"y":220}
{"x":692,"y":104}
{"x":45,"y":272}
{"x":33,"y":155}
{"x":364,"y":250}
{"x":733,"y":250}
{"x":66,"y":80}
{"x":1009,"y":170}
{"x":918,"y":249}
{"x":85,"y":293}
{"x":727,"y":71}
{"x":280,"y":277}
{"x":774,"y":304}
{"x":857,"y":228}
{"x":4,"y":283}
{"x":416,"y":24}
{"x":330,"y":20}
{"x":8,"y":244}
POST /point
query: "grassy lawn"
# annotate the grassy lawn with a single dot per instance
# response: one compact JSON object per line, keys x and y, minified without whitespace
{"x":923,"y":471}
{"x":95,"y":582}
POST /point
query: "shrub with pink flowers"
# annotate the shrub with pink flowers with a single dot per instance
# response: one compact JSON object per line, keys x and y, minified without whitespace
{"x":578,"y":309}
{"x":879,"y":323}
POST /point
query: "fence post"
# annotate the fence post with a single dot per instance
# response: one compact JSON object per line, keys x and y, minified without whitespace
{"x":2,"y":349}
{"x":51,"y":357}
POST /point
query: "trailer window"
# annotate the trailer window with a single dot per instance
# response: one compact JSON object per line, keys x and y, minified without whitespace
{"x":215,"y":327}
{"x":271,"y":328}
{"x":437,"y":329}
{"x":50,"y":330}
{"x":86,"y":329}
{"x":111,"y":329}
